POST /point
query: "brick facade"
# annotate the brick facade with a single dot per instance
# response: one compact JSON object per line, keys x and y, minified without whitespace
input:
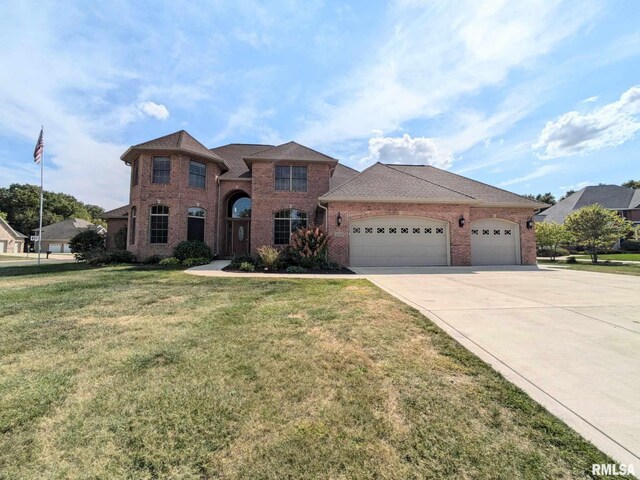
{"x":114,"y":225}
{"x":460,"y":238}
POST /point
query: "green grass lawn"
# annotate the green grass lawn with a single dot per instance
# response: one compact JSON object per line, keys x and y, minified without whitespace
{"x":634,"y":257}
{"x":127,"y":372}
{"x":601,"y":268}
{"x":11,"y":258}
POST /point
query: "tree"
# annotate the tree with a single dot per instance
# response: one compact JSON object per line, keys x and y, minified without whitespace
{"x":3,"y":215}
{"x":595,"y":227}
{"x":542,"y":197}
{"x":569,"y":193}
{"x":551,"y":235}
{"x":632,"y":184}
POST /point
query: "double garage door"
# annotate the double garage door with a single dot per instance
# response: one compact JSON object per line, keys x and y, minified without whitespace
{"x":401,"y":241}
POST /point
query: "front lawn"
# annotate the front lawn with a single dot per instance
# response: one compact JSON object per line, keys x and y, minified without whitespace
{"x":634,"y":257}
{"x":11,"y":258}
{"x":143,"y":373}
{"x":600,"y":267}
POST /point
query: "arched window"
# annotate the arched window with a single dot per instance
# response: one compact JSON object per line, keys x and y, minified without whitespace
{"x":195,"y":224}
{"x":159,"y":224}
{"x":239,"y":206}
{"x":285,"y":222}
{"x":132,"y":233}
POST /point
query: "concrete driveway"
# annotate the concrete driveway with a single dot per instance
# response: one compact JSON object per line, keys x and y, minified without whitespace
{"x":570,"y":339}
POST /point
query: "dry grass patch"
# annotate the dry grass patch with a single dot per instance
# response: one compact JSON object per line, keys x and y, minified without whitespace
{"x":146,"y":373}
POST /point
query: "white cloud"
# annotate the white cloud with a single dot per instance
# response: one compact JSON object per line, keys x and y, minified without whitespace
{"x":590,"y":99}
{"x":579,"y":134}
{"x":576,"y":187}
{"x":438,"y":53}
{"x":154,"y":110}
{"x":539,"y":172}
{"x":407,"y":150}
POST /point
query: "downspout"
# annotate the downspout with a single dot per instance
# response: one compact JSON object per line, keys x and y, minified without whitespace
{"x":326,"y":227}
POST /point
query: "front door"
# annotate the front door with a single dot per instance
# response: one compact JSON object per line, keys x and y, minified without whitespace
{"x":239,"y":241}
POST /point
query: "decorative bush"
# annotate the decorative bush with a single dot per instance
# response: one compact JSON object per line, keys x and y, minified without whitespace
{"x":630,"y":245}
{"x":247,"y":267}
{"x":548,"y":252}
{"x":289,"y":257}
{"x":269,"y":256}
{"x":120,"y":239}
{"x":330,"y":266}
{"x":572,"y":260}
{"x":169,"y":262}
{"x":239,"y":260}
{"x":311,"y":243}
{"x":152,"y":260}
{"x":110,"y":257}
{"x":192,"y":249}
{"x":194,"y":262}
{"x":85,"y":242}
{"x":296,"y":269}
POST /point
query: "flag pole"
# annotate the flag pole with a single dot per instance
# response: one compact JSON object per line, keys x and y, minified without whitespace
{"x":41,"y":200}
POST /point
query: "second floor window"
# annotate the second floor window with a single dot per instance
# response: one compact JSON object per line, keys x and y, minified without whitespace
{"x":291,"y":178}
{"x":161,"y":170}
{"x":197,"y":174}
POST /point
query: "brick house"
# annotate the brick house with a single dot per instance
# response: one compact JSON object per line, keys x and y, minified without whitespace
{"x":238,"y":197}
{"x":11,"y":241}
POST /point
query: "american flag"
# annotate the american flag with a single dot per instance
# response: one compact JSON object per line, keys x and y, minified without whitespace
{"x":37,"y":153}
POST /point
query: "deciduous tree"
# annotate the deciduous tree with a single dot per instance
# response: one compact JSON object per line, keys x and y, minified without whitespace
{"x":551,"y":235}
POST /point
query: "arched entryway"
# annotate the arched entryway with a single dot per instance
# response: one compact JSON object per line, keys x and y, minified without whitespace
{"x":238,"y":224}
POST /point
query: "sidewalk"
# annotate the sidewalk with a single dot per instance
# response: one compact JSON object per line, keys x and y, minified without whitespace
{"x":214,"y":269}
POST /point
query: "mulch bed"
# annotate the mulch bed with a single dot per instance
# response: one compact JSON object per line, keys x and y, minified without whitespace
{"x":342,"y":271}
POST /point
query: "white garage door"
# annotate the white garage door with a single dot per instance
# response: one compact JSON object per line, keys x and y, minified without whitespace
{"x":3,"y":247}
{"x":66,"y":248}
{"x":398,"y":242}
{"x":495,"y":242}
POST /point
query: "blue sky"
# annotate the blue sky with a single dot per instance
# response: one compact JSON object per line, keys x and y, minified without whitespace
{"x":533,"y":96}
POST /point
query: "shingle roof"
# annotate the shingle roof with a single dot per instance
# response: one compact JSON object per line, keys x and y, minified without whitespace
{"x":66,"y":229}
{"x":234,"y":154}
{"x":341,"y":175}
{"x":119,"y":212}
{"x":613,"y":197}
{"x":180,"y":141}
{"x":397,"y":183}
{"x":12,"y":232}
{"x":291,"y":151}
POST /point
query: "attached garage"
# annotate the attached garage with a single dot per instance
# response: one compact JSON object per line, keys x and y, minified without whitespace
{"x":398,"y":241}
{"x":495,"y":242}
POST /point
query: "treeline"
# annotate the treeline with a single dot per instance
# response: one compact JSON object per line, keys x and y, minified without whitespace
{"x":20,"y":206}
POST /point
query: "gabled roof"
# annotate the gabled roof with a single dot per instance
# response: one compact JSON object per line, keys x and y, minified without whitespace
{"x":422,"y":184}
{"x":66,"y":229}
{"x":10,"y":230}
{"x":120,"y":212}
{"x":180,"y":141}
{"x":341,"y":175}
{"x":613,"y":197}
{"x":291,"y":151}
{"x":234,"y":154}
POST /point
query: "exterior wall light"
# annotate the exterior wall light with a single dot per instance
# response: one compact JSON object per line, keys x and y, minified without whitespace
{"x":339,"y":219}
{"x":461,"y":221}
{"x":530,"y":223}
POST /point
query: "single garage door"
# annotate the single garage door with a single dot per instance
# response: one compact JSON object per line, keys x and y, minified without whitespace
{"x":398,"y":241}
{"x":495,"y":242}
{"x":3,"y":246}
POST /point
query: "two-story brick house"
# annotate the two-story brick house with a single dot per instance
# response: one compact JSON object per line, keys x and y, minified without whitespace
{"x":238,"y":197}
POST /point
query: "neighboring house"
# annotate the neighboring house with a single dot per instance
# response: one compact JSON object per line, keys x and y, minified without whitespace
{"x":56,"y":237}
{"x":625,"y":201}
{"x":11,"y":241}
{"x":238,"y":197}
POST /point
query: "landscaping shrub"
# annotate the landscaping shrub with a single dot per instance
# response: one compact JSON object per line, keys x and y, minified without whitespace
{"x":169,"y":262}
{"x":269,"y":256}
{"x":194,"y":262}
{"x":548,"y":252}
{"x":247,"y":267}
{"x":289,"y":257}
{"x":311,"y":243}
{"x":240,"y":259}
{"x":330,"y":266}
{"x":109,"y":257}
{"x":85,"y":242}
{"x":572,"y":260}
{"x":296,"y":269}
{"x":192,"y":249}
{"x":152,"y":260}
{"x":630,"y":245}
